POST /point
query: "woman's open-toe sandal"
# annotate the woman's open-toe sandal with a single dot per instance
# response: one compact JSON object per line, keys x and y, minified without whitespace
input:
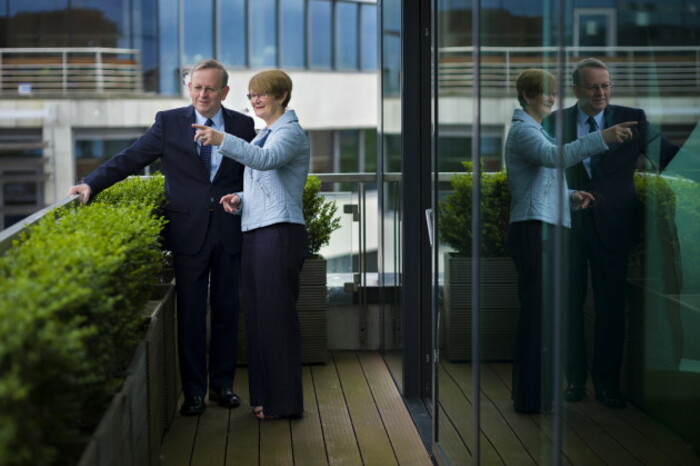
{"x":258,"y":412}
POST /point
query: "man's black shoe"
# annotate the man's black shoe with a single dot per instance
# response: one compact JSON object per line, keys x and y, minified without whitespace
{"x":225,"y":397}
{"x":611,"y":399}
{"x":193,"y":406}
{"x":574,"y":392}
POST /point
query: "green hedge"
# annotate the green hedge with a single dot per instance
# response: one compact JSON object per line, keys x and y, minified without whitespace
{"x":670,"y":225}
{"x":72,"y":290}
{"x":454,"y":220}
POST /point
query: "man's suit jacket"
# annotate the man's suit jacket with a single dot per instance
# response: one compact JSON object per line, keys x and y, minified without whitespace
{"x":615,"y":211}
{"x":189,"y":192}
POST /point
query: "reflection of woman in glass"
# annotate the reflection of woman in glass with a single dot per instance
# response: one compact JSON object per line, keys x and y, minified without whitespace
{"x":274,"y":242}
{"x":536,"y":191}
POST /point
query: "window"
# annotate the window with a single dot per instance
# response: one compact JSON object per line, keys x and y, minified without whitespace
{"x":232,"y":32}
{"x":320,"y":34}
{"x":368,"y":37}
{"x":346,"y":32}
{"x":292,"y":46}
{"x":263,"y":33}
{"x":169,"y":73}
{"x":198,"y":40}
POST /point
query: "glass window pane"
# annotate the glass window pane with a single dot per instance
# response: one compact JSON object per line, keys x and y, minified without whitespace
{"x":232,"y":32}
{"x":198,"y":20}
{"x":263,"y":33}
{"x":349,"y":147}
{"x":170,"y":81}
{"x":320,"y":34}
{"x":370,"y":150}
{"x":346,"y":43}
{"x":368,"y":38}
{"x":292,"y":47}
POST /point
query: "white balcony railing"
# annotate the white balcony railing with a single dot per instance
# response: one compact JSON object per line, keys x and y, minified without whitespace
{"x":635,"y":70}
{"x":70,"y":71}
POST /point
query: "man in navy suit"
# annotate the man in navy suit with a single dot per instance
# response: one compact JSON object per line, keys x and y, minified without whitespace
{"x":205,"y":240}
{"x":601,"y":237}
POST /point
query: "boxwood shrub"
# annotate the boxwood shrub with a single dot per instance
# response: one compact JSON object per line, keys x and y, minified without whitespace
{"x":72,"y":290}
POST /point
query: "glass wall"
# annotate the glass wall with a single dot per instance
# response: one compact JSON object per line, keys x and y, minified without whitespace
{"x":389,"y":160}
{"x":584,"y":353}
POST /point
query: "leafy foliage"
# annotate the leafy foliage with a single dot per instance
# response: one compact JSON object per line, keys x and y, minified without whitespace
{"x":670,"y":226}
{"x":72,"y":290}
{"x":455,"y":214}
{"x":319,"y":215}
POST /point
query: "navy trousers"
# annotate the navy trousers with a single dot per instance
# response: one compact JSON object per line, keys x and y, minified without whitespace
{"x":530,"y":244}
{"x":271,"y":262}
{"x":215,"y":271}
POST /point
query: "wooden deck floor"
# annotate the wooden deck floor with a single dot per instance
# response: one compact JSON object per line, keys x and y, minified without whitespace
{"x":591,"y":433}
{"x":354,"y":415}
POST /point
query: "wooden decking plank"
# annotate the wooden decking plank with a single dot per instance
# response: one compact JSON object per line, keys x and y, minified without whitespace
{"x":539,"y":448}
{"x":307,"y":435}
{"x":341,"y":445}
{"x":574,"y":448}
{"x":176,"y":448}
{"x":677,"y":449}
{"x":634,"y":443}
{"x":210,"y":443}
{"x":453,"y":401}
{"x":451,"y":444}
{"x":276,"y":443}
{"x":372,"y":438}
{"x":242,"y":448}
{"x":407,"y":444}
{"x":493,"y":424}
{"x":598,"y":440}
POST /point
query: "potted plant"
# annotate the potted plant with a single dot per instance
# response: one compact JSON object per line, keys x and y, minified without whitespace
{"x":498,"y":280}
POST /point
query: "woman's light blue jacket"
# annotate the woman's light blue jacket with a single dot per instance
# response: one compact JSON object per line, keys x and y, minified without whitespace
{"x":531,"y":161}
{"x":275,"y":174}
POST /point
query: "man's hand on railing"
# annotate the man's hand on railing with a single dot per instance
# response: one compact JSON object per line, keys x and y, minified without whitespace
{"x":82,"y":190}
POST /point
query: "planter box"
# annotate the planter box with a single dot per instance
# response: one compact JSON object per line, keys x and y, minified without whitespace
{"x":499,"y":308}
{"x":312,"y":308}
{"x":131,"y":430}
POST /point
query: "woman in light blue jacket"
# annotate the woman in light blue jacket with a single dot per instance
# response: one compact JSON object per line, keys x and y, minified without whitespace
{"x":275,"y":242}
{"x":532,"y":157}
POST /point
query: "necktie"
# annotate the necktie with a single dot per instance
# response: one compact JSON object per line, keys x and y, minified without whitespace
{"x":205,"y":150}
{"x":596,"y":159}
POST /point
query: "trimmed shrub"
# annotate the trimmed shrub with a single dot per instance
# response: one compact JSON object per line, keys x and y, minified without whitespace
{"x":319,"y":215}
{"x":72,"y":290}
{"x":454,"y":219}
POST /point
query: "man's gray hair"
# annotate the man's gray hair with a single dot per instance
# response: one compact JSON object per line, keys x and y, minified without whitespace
{"x":211,"y":64}
{"x":586,"y":63}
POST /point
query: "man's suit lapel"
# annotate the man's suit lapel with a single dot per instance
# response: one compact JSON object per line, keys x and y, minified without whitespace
{"x":229,"y":127}
{"x":187,"y":133}
{"x":571,"y":134}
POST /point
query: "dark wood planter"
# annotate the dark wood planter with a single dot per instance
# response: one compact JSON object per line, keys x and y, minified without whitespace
{"x":499,"y":308}
{"x":311,"y":308}
{"x":131,"y":430}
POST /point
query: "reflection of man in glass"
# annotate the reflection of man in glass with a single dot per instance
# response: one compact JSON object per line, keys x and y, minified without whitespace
{"x":601,"y":237}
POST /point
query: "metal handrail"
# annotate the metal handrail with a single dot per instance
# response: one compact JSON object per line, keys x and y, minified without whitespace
{"x":9,"y":234}
{"x":635,"y":70}
{"x":70,"y":71}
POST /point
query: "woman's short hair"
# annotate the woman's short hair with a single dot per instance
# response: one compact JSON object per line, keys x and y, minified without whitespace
{"x":534,"y":82}
{"x":272,"y":82}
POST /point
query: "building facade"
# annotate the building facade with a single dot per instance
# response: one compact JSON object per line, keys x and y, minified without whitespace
{"x":80,"y":81}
